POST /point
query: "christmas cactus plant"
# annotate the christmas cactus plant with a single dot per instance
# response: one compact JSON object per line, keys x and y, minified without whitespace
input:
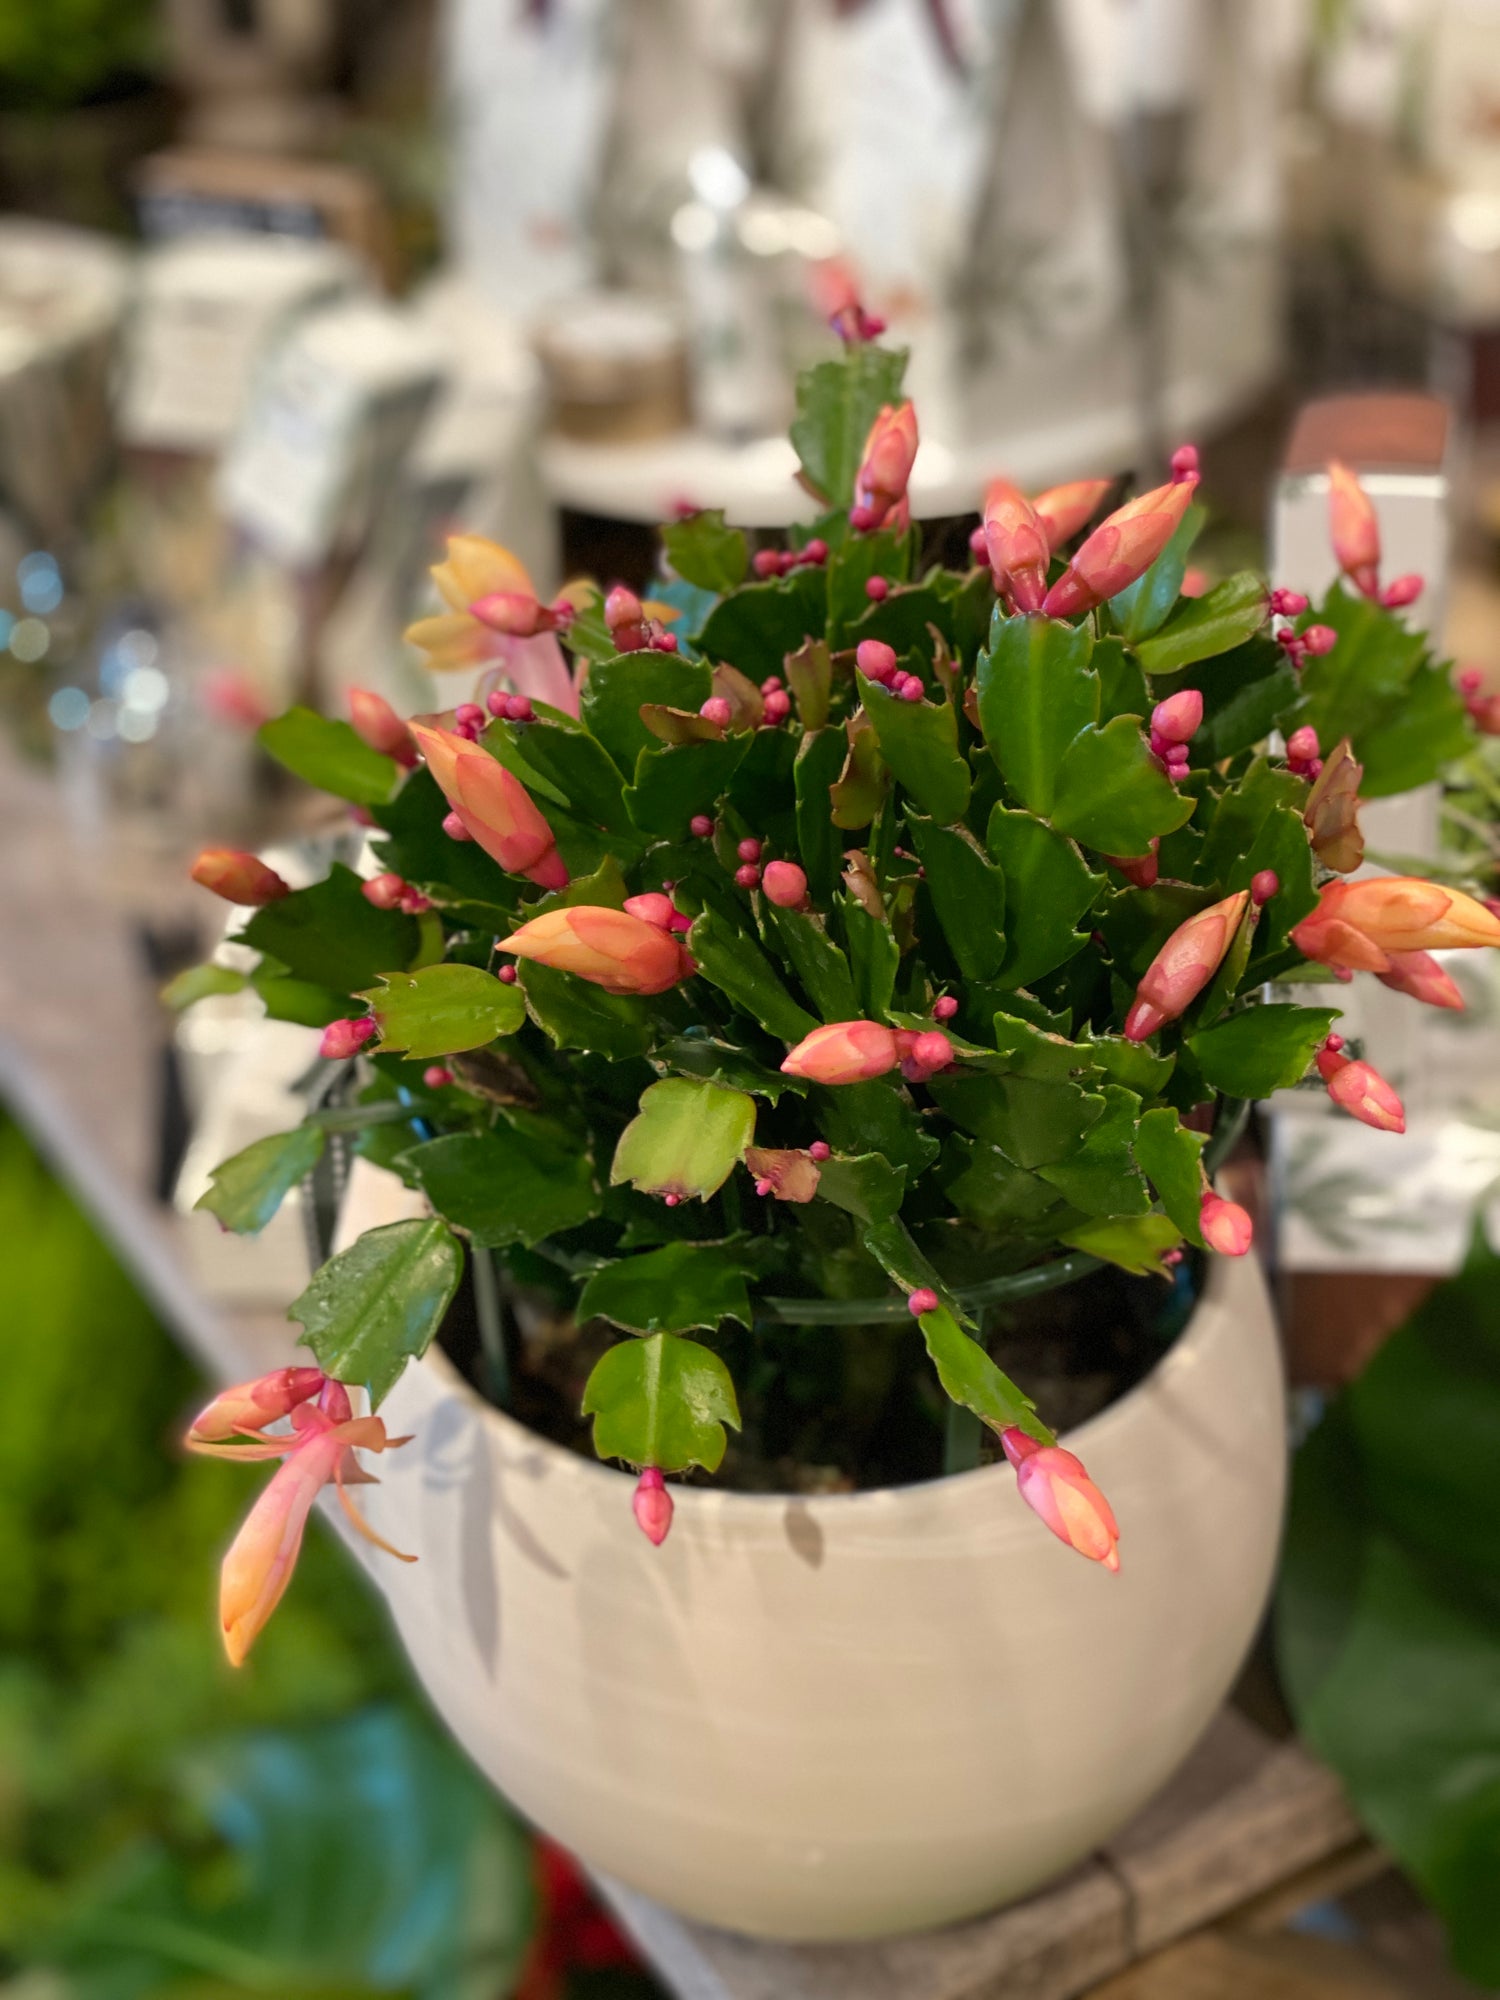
{"x":829,"y":940}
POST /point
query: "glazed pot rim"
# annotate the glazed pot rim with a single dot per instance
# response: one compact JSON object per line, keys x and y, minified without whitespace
{"x":1207,"y":1308}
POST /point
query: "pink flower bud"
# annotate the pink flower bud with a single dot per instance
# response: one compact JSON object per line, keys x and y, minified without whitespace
{"x":1403,"y":591}
{"x":922,"y":1300}
{"x":1140,"y":870}
{"x":1226,"y":1226}
{"x":1470,"y":681}
{"x":717,"y":710}
{"x":700,"y":826}
{"x":1418,"y":974}
{"x":749,"y":849}
{"x":1056,"y":1488}
{"x":815,"y":551}
{"x":342,"y":1039}
{"x":877,"y":589}
{"x":1302,"y":745}
{"x":507,"y":975}
{"x":1355,"y":529}
{"x":911,"y":689}
{"x":1319,"y":639}
{"x":944,"y":1008}
{"x":875,"y":659}
{"x":238,"y":877}
{"x":664,"y":642}
{"x":747,"y":875}
{"x":933,"y":1050}
{"x":979,"y":547}
{"x":653,"y":908}
{"x":1120,"y":549}
{"x":1063,"y":510}
{"x":652,"y":1506}
{"x":1263,"y":886}
{"x":454,"y":827}
{"x":494,"y":807}
{"x":518,"y":708}
{"x":1184,"y":966}
{"x":622,"y":607}
{"x":1196,"y":582}
{"x":1361,"y":1091}
{"x":1185,"y":462}
{"x":1017,"y":545}
{"x":378,"y":724}
{"x":468,"y":718}
{"x":844,"y":1052}
{"x":1179,"y":717}
{"x":819,"y":1151}
{"x":437,"y":1077}
{"x":889,"y":454}
{"x":609,"y":948}
{"x":766,"y":563}
{"x":1287,"y":603}
{"x":384,"y":891}
{"x":785,"y":884}
{"x":778,"y":707}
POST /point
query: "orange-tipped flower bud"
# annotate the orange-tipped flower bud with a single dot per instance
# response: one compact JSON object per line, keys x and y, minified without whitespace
{"x":1121,"y":548}
{"x":1357,"y":925}
{"x":1055,"y":1487}
{"x":844,"y":1052}
{"x":1226,"y":1226}
{"x":608,"y":948}
{"x":1184,"y":965}
{"x":250,"y":1406}
{"x":1362,"y":1091}
{"x":494,"y":806}
{"x":889,"y":454}
{"x":1017,"y":545}
{"x":1355,"y":529}
{"x":378,"y":724}
{"x":238,"y":877}
{"x":1418,"y":973}
{"x":1063,"y":510}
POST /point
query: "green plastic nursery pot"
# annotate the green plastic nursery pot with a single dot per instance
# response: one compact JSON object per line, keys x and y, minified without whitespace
{"x":839,"y":1716}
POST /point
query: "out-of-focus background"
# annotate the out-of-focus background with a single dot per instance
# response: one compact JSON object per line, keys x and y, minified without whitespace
{"x":291,"y":288}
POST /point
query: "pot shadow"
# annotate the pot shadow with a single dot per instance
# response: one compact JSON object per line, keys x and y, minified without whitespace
{"x":803,"y":1534}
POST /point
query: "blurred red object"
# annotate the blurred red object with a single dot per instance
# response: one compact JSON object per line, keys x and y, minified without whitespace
{"x":573,"y":1932}
{"x":227,"y":694}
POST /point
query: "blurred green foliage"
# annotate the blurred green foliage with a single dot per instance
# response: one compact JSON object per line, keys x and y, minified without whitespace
{"x":1388,"y":1617}
{"x":168,"y":1826}
{"x":56,"y":53}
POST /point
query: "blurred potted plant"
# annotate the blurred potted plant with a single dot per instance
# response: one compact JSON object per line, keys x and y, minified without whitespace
{"x":878,"y":950}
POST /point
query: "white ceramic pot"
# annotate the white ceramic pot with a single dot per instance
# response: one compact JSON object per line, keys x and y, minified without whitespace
{"x":854,"y":1714}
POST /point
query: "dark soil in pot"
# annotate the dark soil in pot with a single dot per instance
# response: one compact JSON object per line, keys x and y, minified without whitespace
{"x":845,"y":1408}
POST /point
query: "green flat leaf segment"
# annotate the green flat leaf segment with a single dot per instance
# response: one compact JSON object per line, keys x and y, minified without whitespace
{"x":1225,"y":617}
{"x":1134,"y":1242}
{"x":704,"y":551}
{"x":970,"y":1377}
{"x":443,"y":1010}
{"x":919,"y":744}
{"x":686,"y":1139}
{"x":661,"y":1401}
{"x":330,"y":755}
{"x":329,"y":936}
{"x":378,"y":1304}
{"x":837,"y":402}
{"x":1261,"y":1050}
{"x":522,"y":1182}
{"x":200,"y":982}
{"x":1112,"y":794}
{"x":735,"y":963}
{"x":671,"y":1290}
{"x":248,"y":1188}
{"x":1036,"y":694}
{"x":1169,"y":1155}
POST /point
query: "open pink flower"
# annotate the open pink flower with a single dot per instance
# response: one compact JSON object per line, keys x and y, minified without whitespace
{"x":250,"y":1406}
{"x":1017,"y":545}
{"x":844,"y":1052}
{"x":494,"y":618}
{"x":494,"y":806}
{"x":1184,"y":965}
{"x":318,"y":1451}
{"x":1055,"y":1486}
{"x":1122,"y":548}
{"x":609,"y":948}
